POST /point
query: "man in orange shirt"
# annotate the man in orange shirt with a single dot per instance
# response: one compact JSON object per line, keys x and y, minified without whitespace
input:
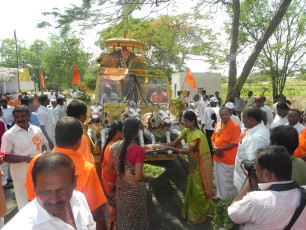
{"x":159,"y":96}
{"x":300,"y":152}
{"x":10,"y":102}
{"x":78,"y":110}
{"x":224,"y":143}
{"x":18,"y":99}
{"x":68,"y":133}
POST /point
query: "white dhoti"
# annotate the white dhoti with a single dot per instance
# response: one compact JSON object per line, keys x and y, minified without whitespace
{"x":20,"y":193}
{"x":224,"y":180}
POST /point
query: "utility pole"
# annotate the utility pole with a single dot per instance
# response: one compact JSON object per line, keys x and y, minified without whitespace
{"x":17,"y":60}
{"x":38,"y":69}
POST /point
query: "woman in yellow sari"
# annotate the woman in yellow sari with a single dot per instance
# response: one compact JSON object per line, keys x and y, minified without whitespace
{"x":198,"y":199}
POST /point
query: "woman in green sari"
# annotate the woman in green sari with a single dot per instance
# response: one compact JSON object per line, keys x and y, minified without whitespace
{"x":198,"y":199}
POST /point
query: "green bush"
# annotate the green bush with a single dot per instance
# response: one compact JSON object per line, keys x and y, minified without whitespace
{"x":221,"y":218}
{"x":84,"y":97}
{"x":91,"y":84}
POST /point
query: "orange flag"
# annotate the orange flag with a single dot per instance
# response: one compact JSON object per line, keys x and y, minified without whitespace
{"x":76,"y":75}
{"x":190,"y":79}
{"x":42,"y":79}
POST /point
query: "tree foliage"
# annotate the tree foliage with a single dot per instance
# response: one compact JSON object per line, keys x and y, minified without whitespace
{"x":170,"y":40}
{"x":56,"y":59}
{"x":269,"y":25}
{"x":91,"y":13}
{"x":284,"y":52}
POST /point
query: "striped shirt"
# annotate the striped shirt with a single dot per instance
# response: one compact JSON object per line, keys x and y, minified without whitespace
{"x":267,"y":209}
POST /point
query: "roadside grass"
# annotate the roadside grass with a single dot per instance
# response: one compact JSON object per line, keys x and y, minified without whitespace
{"x":295,"y":91}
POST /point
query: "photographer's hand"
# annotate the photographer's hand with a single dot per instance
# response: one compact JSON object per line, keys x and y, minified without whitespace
{"x":254,"y":181}
{"x":244,"y":170}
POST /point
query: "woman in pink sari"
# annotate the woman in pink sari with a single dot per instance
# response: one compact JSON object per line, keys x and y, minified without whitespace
{"x":131,"y":194}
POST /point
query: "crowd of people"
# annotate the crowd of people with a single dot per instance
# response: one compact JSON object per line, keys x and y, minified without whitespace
{"x":240,"y":130}
{"x":57,"y":184}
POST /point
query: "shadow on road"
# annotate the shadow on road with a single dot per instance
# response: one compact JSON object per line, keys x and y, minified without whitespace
{"x":165,"y":198}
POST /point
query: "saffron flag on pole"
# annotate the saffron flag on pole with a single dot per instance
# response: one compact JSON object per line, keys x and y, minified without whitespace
{"x":190,"y":79}
{"x":42,"y":79}
{"x":76,"y":75}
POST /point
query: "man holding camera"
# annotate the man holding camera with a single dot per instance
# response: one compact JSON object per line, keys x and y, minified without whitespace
{"x":276,"y":203}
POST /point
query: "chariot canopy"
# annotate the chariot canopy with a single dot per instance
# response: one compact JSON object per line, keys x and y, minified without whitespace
{"x":124,"y":75}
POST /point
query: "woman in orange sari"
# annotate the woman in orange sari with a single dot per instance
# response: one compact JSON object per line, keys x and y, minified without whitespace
{"x":109,"y":174}
{"x":198,"y":199}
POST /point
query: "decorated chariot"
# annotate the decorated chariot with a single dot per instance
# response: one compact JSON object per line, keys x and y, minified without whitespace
{"x":127,"y":87}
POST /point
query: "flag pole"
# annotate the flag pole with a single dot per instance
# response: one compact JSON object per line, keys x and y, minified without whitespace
{"x":17,"y":60}
{"x":184,"y":81}
{"x":183,"y":84}
{"x":39,"y":70}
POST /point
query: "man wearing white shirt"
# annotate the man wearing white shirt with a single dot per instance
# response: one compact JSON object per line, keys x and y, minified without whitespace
{"x":260,"y":104}
{"x":198,"y":104}
{"x":210,"y":119}
{"x":188,"y":99}
{"x":20,"y":144}
{"x":51,"y":95}
{"x":205,"y":101}
{"x":56,"y":205}
{"x":7,"y":112}
{"x":203,"y":93}
{"x":205,"y":104}
{"x":274,"y":205}
{"x":294,"y":120}
{"x":73,"y":94}
{"x":277,"y":98}
{"x":44,"y":116}
{"x":256,"y":136}
{"x":58,"y":111}
{"x":282,"y":115}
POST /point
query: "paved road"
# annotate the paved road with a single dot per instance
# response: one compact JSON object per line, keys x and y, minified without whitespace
{"x":165,"y":196}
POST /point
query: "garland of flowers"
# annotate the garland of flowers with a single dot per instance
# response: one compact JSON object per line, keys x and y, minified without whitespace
{"x":124,"y":65}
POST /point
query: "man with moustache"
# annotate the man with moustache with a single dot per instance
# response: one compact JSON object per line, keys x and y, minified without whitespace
{"x":56,"y":205}
{"x":20,"y":144}
{"x":68,"y":135}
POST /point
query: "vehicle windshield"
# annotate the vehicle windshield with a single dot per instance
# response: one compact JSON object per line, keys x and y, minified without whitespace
{"x":132,"y":88}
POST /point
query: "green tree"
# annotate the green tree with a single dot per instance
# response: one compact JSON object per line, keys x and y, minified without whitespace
{"x":8,"y":57}
{"x":57,"y":60}
{"x":27,"y":57}
{"x":170,"y":40}
{"x":269,"y":26}
{"x":284,"y":52}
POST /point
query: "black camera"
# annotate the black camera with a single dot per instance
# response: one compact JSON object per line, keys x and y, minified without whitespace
{"x":249,"y":166}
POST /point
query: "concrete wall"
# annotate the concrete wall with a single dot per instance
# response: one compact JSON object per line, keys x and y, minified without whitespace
{"x":211,"y":82}
{"x":12,"y":86}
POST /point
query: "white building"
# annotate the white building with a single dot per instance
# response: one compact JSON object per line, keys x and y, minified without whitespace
{"x":9,"y":80}
{"x":211,"y":82}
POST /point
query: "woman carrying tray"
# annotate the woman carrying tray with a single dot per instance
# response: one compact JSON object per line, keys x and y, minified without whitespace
{"x":198,"y":199}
